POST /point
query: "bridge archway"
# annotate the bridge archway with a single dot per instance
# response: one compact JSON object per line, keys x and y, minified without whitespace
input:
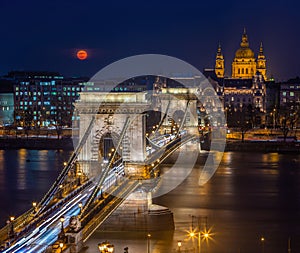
{"x":107,"y":145}
{"x":178,"y":116}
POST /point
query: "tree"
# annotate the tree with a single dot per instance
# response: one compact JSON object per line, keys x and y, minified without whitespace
{"x":245,"y":120}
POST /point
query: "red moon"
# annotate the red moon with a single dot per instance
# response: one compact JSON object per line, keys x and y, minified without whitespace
{"x":82,"y":55}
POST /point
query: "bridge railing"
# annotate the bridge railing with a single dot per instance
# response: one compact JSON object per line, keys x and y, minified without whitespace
{"x":18,"y":222}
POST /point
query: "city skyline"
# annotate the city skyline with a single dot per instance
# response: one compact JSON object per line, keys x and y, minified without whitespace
{"x":46,"y":36}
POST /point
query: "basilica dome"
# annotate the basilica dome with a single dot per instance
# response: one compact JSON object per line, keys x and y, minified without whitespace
{"x":244,"y":52}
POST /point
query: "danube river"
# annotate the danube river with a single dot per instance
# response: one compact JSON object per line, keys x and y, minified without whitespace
{"x":252,"y":195}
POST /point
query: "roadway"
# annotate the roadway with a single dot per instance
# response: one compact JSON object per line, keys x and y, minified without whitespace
{"x":47,"y":226}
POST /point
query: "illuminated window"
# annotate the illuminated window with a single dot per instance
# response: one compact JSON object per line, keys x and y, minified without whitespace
{"x":284,"y":93}
{"x":232,"y":99}
{"x":292,"y":94}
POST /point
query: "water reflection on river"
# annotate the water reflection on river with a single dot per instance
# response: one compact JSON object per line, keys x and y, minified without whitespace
{"x":250,"y":196}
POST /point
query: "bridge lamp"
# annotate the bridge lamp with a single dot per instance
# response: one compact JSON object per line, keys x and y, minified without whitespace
{"x":62,"y":219}
{"x":80,"y":206}
{"x":11,"y":233}
{"x":179,"y":244}
{"x":65,"y":163}
{"x":61,"y":245}
{"x":34,"y":207}
{"x":148,"y":243}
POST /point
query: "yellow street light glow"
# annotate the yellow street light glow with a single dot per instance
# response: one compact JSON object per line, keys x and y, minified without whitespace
{"x":34,"y":204}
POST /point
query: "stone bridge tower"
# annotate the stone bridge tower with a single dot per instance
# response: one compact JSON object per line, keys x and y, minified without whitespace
{"x":111,"y":111}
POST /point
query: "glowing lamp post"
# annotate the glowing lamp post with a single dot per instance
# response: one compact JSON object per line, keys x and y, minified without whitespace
{"x":262,"y":239}
{"x":148,"y":243}
{"x":80,"y":207}
{"x":11,"y":232}
{"x":61,"y":246}
{"x":62,"y":231}
{"x":34,"y":207}
{"x":179,"y":244}
{"x":206,"y":235}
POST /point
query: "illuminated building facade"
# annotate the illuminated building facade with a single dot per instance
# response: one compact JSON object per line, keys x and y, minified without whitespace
{"x":43,"y":99}
{"x":6,"y":102}
{"x":244,"y":93}
{"x":244,"y":64}
{"x":290,"y":102}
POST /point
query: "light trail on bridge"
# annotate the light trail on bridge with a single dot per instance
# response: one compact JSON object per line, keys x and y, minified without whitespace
{"x":46,"y":233}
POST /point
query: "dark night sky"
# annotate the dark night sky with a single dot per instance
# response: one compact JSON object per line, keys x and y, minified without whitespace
{"x":44,"y":35}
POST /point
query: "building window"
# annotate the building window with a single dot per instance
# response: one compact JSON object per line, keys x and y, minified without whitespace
{"x":292,"y":94}
{"x":239,"y":71}
{"x":246,"y":71}
{"x":242,"y":70}
{"x":284,"y":93}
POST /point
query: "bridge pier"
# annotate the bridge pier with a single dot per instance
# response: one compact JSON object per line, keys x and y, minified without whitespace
{"x":138,"y":213}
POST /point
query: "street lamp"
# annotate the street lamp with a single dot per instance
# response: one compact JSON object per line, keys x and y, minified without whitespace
{"x":34,"y":207}
{"x":262,"y":239}
{"x":206,"y":235}
{"x":80,"y":207}
{"x":61,"y":245}
{"x":11,"y":232}
{"x":148,"y":243}
{"x":179,"y":244}
{"x":62,"y":231}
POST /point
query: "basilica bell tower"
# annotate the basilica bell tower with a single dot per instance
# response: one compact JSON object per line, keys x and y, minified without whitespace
{"x":219,"y":67}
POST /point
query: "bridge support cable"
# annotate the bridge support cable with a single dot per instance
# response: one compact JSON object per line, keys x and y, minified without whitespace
{"x":163,"y":118}
{"x":183,"y":119}
{"x":104,"y":173}
{"x":49,"y":195}
{"x":172,"y":147}
{"x":154,"y":145}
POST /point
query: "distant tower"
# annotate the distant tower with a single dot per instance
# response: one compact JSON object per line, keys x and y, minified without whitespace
{"x":244,"y":64}
{"x":261,"y":62}
{"x":219,"y":67}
